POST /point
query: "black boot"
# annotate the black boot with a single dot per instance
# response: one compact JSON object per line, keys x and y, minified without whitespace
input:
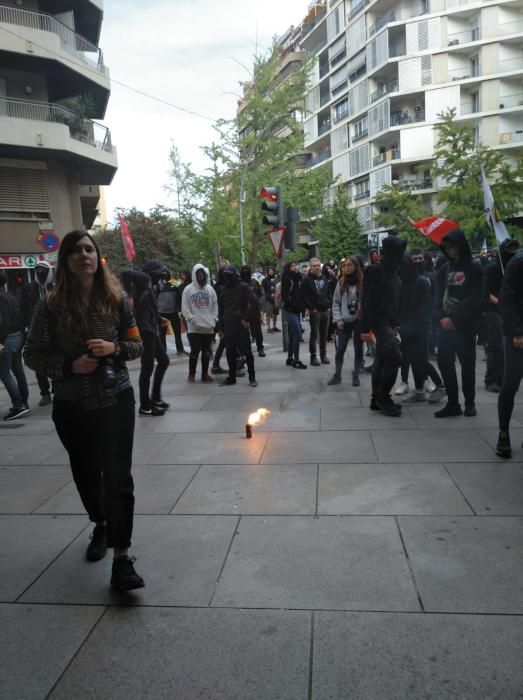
{"x":503,"y":448}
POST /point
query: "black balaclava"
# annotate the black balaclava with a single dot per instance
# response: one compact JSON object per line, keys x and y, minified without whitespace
{"x":245,"y":274}
{"x":428,"y":265}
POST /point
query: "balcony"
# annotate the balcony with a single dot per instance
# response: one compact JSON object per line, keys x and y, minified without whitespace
{"x":464,"y":37}
{"x":307,"y":28}
{"x":470,"y":71}
{"x":340,"y":114}
{"x":360,"y":135}
{"x":509,"y":64}
{"x":324,"y":155}
{"x":390,"y":86}
{"x":386,"y":156}
{"x":325,"y":98}
{"x":362,"y":195}
{"x":407,"y":117}
{"x":70,"y":42}
{"x":390,"y":16}
{"x":323,"y":128}
{"x":413,"y":183}
{"x":511,"y":101}
{"x":513,"y":27}
{"x":357,"y":8}
{"x":508,"y":137}
{"x":470,"y":108}
{"x":324,"y":70}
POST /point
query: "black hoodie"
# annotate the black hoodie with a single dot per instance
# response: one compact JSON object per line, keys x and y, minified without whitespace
{"x":414,"y":303}
{"x":461,"y":289}
{"x":511,"y":297}
{"x":291,"y":293}
{"x":381,"y":287}
{"x":233,"y":302}
{"x":317,"y":292}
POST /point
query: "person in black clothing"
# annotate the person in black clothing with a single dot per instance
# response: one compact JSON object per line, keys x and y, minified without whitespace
{"x":30,"y":294}
{"x":317,"y":296}
{"x":380,"y":316}
{"x":169,"y":307}
{"x":494,"y":278}
{"x":269,"y":289}
{"x":255,"y":293}
{"x":233,"y":324}
{"x":293,"y":307}
{"x":12,"y":339}
{"x":459,"y":299}
{"x":511,"y":308}
{"x":141,"y":286}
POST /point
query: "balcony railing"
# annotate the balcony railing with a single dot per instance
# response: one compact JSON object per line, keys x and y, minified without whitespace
{"x":511,"y":137}
{"x":470,"y":107}
{"x":324,"y":70}
{"x":83,"y":130}
{"x":464,"y":37}
{"x":340,"y":114}
{"x":319,"y":158}
{"x":470,"y":71}
{"x":323,"y":128}
{"x":362,"y":195}
{"x":413,"y":183}
{"x":407,"y":117}
{"x":307,"y":28}
{"x":391,"y":154}
{"x":390,"y":16}
{"x":512,"y":27}
{"x":396,"y":15}
{"x":70,"y":41}
{"x":398,"y":50}
{"x":357,"y":8}
{"x":508,"y":64}
{"x":360,"y":135}
{"x":390,"y":86}
{"x":511,"y":101}
{"x":325,"y":98}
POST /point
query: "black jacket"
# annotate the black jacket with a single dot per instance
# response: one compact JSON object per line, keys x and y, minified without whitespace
{"x":317,"y":292}
{"x":291,"y":292}
{"x":138,"y":285}
{"x":511,"y":297}
{"x":381,"y":288}
{"x":233,"y":304}
{"x":269,"y":287}
{"x":461,"y":287}
{"x":10,"y":316}
{"x":30,"y":295}
{"x":414,"y":302}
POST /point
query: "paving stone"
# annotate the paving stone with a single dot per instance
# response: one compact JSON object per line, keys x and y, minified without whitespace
{"x":18,"y":450}
{"x":37,"y":644}
{"x":346,"y":563}
{"x":29,"y":425}
{"x":191,"y":422}
{"x":179,"y":556}
{"x":491,"y":489}
{"x":280,"y":421}
{"x":245,"y":402}
{"x":413,"y":446}
{"x":211,"y":448}
{"x":469,"y":565}
{"x":357,"y":418}
{"x":343,"y":398}
{"x":206,"y":654}
{"x":490,"y":437}
{"x":241,"y":387}
{"x":391,"y":656}
{"x":252,"y":489}
{"x":28,"y":544}
{"x":178,"y":404}
{"x":388,"y":489}
{"x":313,"y":447}
{"x":22,"y":489}
{"x":487,"y":417}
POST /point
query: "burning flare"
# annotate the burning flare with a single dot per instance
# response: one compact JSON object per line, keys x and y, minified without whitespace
{"x":258,"y":417}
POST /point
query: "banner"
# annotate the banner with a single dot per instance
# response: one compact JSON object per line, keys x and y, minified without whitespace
{"x":491,"y":213}
{"x":435,"y":227}
{"x":127,"y":240}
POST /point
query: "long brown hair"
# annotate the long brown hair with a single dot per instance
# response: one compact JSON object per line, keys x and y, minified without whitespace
{"x":65,"y":300}
{"x":358,"y":273}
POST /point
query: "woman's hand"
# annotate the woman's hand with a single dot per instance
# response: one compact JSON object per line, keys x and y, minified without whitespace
{"x":101,"y":348}
{"x":84,"y":365}
{"x":447,"y":324}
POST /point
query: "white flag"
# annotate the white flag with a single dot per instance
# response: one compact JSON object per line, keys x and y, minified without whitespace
{"x":491,"y":215}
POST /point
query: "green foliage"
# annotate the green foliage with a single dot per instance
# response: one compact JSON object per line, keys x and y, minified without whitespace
{"x":339,"y":230}
{"x":402,"y":207}
{"x":458,"y":164}
{"x":156,"y":235}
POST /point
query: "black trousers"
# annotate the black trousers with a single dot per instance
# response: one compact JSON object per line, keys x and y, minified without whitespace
{"x":319,"y":327}
{"x":200,"y":343}
{"x":463,"y":345}
{"x":494,"y":373}
{"x":238,"y":338}
{"x":413,"y":351}
{"x":175,"y":323}
{"x":43,"y":384}
{"x":100,"y":448}
{"x":511,"y":381}
{"x":218,"y":353}
{"x":152,"y":349}
{"x":386,"y":362}
{"x":256,"y":329}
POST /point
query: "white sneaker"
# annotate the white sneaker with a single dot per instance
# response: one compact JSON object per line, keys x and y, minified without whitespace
{"x":436,"y":395}
{"x":415,"y":397}
{"x":429,"y":385}
{"x":402,"y":389}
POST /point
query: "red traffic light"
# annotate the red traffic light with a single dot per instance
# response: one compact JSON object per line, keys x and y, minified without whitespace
{"x":269,"y":193}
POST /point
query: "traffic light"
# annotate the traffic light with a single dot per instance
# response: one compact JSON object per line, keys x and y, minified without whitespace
{"x":291,"y":219}
{"x":273,"y":206}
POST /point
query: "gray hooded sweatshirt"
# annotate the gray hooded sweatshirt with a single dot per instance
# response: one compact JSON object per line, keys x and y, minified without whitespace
{"x":200,"y":304}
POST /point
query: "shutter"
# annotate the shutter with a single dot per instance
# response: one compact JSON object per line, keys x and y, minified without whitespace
{"x":380,"y":178}
{"x":340,"y":140}
{"x":341,"y":167}
{"x":378,"y":51}
{"x":359,"y":160}
{"x":379,"y":118}
{"x":338,"y":79}
{"x":359,"y":97}
{"x":337,"y":48}
{"x":24,"y":190}
{"x":312,"y":100}
{"x":310,"y":131}
{"x":364,"y":216}
{"x":356,"y":36}
{"x":426,"y":70}
{"x":357,"y":62}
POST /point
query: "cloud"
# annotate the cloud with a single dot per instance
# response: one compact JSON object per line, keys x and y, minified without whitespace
{"x":187,"y":53}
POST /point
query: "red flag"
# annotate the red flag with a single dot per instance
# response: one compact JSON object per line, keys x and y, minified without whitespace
{"x":127,"y":240}
{"x":435,"y":227}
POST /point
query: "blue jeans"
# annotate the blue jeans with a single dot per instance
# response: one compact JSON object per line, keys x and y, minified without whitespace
{"x":12,"y":370}
{"x":342,"y":340}
{"x":294,"y":326}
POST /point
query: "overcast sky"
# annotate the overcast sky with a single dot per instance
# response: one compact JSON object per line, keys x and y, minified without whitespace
{"x":188,"y":53}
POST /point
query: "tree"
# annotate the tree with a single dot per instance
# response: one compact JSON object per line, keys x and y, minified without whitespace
{"x":339,"y":230}
{"x":400,"y":207}
{"x":458,"y":165}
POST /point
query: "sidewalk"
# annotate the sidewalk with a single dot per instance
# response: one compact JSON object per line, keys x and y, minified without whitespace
{"x":337,"y":554}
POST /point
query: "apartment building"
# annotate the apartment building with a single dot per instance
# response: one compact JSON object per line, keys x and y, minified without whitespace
{"x":386,"y":68}
{"x":54,"y":155}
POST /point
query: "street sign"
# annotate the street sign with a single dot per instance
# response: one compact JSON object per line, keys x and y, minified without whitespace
{"x":276,"y":237}
{"x":48,"y":240}
{"x":30,"y":261}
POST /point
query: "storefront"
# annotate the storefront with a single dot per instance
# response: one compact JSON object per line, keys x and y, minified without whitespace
{"x":20,"y":267}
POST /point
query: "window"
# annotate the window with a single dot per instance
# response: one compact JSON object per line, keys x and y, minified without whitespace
{"x":361,"y":189}
{"x":361,"y":129}
{"x":341,"y":110}
{"x":24,"y":193}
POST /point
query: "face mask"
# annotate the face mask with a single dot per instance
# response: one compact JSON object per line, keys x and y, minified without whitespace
{"x":420,"y":267}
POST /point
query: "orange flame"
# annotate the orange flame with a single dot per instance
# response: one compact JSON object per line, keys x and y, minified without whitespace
{"x":258,"y":417}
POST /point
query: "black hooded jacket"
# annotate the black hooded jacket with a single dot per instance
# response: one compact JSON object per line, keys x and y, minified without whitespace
{"x":381,"y":288}
{"x":291,"y":293}
{"x":255,"y":290}
{"x":414,"y":303}
{"x":511,"y":297}
{"x":233,"y":302}
{"x":317,"y":292}
{"x":460,"y":293}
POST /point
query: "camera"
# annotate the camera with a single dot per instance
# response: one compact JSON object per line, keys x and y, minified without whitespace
{"x":106,"y":374}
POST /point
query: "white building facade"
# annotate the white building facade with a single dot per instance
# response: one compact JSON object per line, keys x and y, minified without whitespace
{"x":385,"y":70}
